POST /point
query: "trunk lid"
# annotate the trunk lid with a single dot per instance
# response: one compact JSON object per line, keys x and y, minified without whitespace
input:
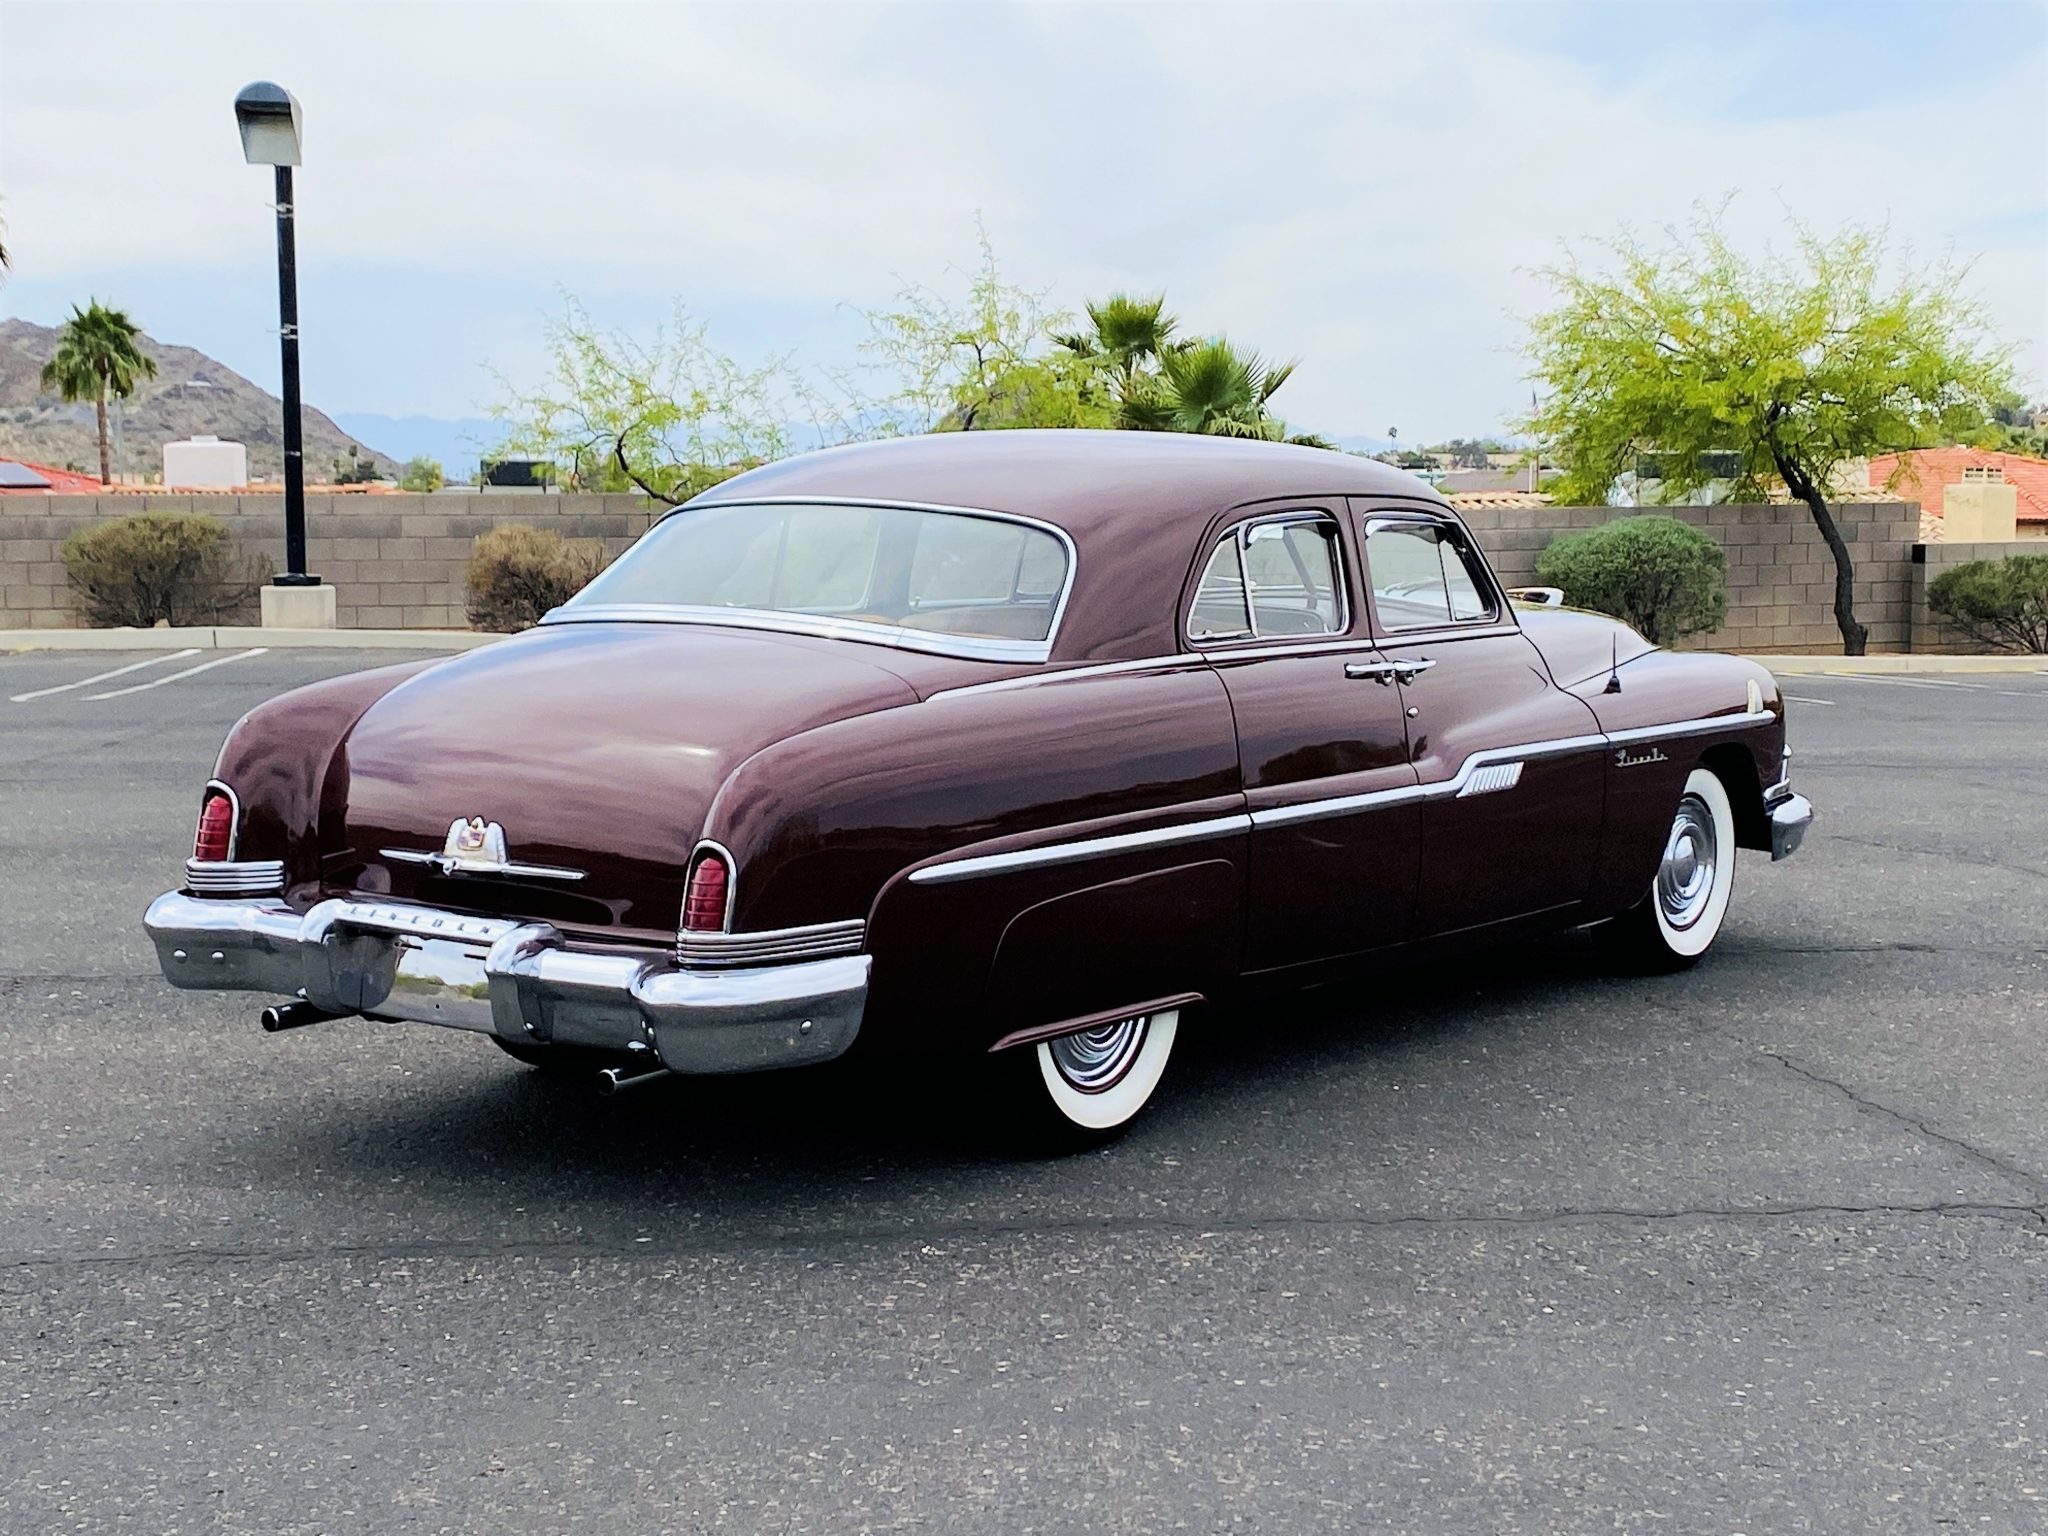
{"x":596,"y":747}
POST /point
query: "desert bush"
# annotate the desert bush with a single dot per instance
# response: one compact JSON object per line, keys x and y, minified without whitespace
{"x":1663,"y":576}
{"x":180,"y":568}
{"x":421,"y":474}
{"x":1999,"y":603}
{"x":517,"y":574}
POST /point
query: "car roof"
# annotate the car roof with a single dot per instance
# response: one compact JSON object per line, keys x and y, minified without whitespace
{"x":1134,"y":503}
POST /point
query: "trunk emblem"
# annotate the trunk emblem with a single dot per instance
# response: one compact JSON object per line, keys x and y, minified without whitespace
{"x":477,"y":847}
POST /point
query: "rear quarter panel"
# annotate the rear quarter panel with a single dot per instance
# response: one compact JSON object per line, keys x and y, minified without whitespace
{"x":830,"y":824}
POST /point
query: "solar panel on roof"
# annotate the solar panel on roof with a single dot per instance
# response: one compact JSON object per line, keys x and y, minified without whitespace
{"x":21,"y":477}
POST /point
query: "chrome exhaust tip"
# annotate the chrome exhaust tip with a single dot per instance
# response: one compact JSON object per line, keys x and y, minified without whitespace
{"x":296,"y":1014}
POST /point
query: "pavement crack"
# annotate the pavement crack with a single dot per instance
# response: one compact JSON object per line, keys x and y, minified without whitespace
{"x":812,"y":1241}
{"x":1949,"y":854}
{"x":2010,"y":1170}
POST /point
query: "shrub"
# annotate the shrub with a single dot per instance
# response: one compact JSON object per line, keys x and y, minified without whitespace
{"x":421,"y":474}
{"x":175,"y":567}
{"x":518,"y":573}
{"x":1663,"y":576}
{"x":1999,"y":603}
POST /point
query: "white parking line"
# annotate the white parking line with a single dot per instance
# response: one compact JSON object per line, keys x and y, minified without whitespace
{"x":1800,"y":698}
{"x":101,"y":677}
{"x":1935,"y":682}
{"x":204,"y":666}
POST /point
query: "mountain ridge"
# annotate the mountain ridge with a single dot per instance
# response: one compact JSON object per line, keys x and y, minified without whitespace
{"x":192,"y":394}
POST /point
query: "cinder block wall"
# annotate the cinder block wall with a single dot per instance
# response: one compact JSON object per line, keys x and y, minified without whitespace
{"x":402,"y":562}
{"x":1929,"y":634}
{"x":396,"y":562}
{"x":1781,"y":579}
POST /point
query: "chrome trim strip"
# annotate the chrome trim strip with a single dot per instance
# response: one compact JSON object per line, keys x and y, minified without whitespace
{"x":1099,"y":669}
{"x":1325,"y":646}
{"x":234,"y":804}
{"x":444,"y":865}
{"x":966,"y":647}
{"x":1087,"y":848}
{"x":1689,"y":727}
{"x":1493,"y":778}
{"x":250,"y":877}
{"x":810,"y":942}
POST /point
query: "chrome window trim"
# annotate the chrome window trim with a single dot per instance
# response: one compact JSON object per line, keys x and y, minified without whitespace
{"x":1239,"y":534}
{"x":1501,"y":620}
{"x":968,"y":868}
{"x":965,"y":647}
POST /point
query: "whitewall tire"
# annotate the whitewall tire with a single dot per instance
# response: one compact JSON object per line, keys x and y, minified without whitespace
{"x":1083,"y":1089}
{"x":1681,"y":916}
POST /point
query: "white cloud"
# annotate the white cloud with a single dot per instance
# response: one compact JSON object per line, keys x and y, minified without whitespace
{"x":1365,"y":186}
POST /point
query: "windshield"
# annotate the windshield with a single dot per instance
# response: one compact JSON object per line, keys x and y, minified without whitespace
{"x":941,"y":573}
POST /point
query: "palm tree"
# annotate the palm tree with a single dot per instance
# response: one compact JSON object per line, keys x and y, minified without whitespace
{"x":1123,"y":334}
{"x":98,"y":354}
{"x":1208,"y":387}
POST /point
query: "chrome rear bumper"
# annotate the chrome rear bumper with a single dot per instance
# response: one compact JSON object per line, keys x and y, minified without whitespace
{"x":516,"y":980}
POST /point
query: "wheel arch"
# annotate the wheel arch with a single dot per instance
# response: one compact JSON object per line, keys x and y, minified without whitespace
{"x":1734,"y":764}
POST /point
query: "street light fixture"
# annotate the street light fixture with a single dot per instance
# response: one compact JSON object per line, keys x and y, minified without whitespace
{"x":268,"y":116}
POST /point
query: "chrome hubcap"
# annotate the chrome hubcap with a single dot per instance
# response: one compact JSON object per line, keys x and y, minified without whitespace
{"x":1685,"y":878}
{"x":1096,"y":1060}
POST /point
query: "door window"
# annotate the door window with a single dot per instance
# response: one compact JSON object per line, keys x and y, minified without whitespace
{"x":1272,"y":579}
{"x":1422,"y":579}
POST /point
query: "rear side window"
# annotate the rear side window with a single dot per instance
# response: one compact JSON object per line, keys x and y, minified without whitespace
{"x":1421,"y":579}
{"x":1271,"y":579}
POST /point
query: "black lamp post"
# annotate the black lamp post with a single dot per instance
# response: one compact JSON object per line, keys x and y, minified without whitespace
{"x":268,"y":116}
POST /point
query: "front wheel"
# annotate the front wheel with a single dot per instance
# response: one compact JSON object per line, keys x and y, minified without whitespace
{"x":1679,"y":919}
{"x":1081,"y":1090}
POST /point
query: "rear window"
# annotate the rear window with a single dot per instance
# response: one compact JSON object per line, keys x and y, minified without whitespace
{"x":948,"y":573}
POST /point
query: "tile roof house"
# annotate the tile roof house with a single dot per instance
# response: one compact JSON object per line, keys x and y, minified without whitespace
{"x":1924,"y":476}
{"x":42,"y":480}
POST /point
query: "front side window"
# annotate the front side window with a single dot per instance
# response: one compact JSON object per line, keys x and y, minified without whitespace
{"x":1421,"y":579}
{"x":1272,"y":579}
{"x":950,"y":573}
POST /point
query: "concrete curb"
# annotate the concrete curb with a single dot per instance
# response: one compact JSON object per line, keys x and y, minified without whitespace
{"x":233,"y":637}
{"x":1881,"y":666}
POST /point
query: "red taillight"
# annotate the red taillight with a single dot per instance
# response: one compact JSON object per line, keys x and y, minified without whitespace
{"x":704,"y":902}
{"x":216,"y":834}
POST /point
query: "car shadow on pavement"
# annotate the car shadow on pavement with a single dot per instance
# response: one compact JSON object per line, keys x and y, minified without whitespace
{"x":847,"y":1132}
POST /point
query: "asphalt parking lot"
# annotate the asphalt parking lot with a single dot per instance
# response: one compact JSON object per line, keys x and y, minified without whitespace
{"x":1513,"y":1247}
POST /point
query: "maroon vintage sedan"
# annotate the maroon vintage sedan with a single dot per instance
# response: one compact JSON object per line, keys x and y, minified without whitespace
{"x":1010,"y":745}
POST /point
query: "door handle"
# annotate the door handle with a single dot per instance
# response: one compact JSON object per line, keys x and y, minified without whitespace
{"x":1378,"y":671}
{"x":1407,"y":671}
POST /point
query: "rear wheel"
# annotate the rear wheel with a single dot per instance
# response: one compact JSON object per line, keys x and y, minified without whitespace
{"x":1084,"y":1089}
{"x":1680,"y":917}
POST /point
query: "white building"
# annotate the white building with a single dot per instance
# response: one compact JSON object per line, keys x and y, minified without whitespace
{"x":205,"y":464}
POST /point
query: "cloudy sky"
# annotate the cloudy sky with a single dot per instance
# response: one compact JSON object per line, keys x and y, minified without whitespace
{"x":1366,"y":186}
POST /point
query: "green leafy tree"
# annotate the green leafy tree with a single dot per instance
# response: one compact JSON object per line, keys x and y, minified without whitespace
{"x":99,"y":354}
{"x":421,"y":474}
{"x":668,"y":415}
{"x":983,"y":360}
{"x":1795,"y":365}
{"x":1663,"y":576}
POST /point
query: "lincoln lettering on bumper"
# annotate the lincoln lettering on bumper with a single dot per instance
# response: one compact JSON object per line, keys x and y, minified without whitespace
{"x":516,"y":980}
